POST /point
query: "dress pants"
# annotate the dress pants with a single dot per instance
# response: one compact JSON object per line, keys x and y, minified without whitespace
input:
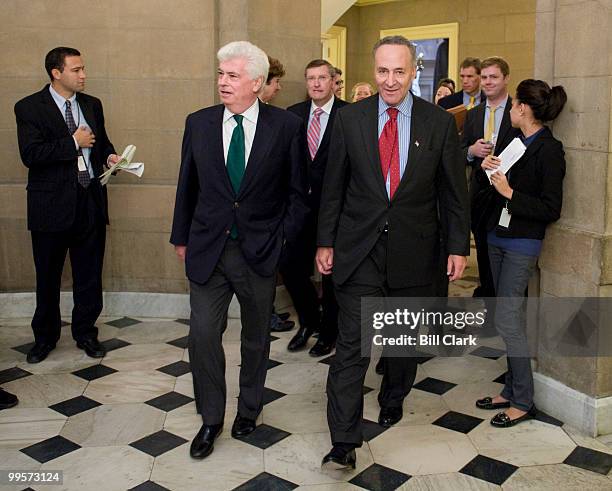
{"x":209,"y":305}
{"x":348,"y":368}
{"x":511,"y":272}
{"x":85,"y":241}
{"x":486,"y":288}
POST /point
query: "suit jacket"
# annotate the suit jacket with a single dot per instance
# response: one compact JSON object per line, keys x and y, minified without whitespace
{"x":316,"y":167}
{"x":456,"y":99}
{"x":537,"y":183}
{"x":269,"y":207}
{"x":473,"y":130}
{"x":48,"y":150}
{"x":355,"y":206}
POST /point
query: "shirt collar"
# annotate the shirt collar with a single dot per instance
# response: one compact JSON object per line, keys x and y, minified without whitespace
{"x":404,"y":107}
{"x":60,"y":100}
{"x":327,"y":107}
{"x":250,"y":114}
{"x":501,"y":104}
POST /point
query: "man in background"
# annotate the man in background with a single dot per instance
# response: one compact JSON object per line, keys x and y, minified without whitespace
{"x":470,"y":95}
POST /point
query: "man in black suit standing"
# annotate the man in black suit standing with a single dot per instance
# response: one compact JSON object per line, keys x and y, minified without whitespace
{"x":317,"y":114}
{"x":240,"y":196}
{"x":394,"y":167}
{"x":470,"y":94}
{"x":487,"y":129}
{"x":63,"y":142}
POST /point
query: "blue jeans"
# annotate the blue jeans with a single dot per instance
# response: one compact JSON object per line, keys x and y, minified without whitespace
{"x":511,"y":272}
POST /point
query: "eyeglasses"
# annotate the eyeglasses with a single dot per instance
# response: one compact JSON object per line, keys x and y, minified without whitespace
{"x":320,"y":79}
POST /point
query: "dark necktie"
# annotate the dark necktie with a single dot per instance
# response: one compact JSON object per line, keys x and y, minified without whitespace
{"x":236,"y":160}
{"x":388,"y":147}
{"x":82,"y":175}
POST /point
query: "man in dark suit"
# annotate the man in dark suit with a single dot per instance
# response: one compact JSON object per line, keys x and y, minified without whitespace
{"x":394,"y":167}
{"x":241,"y":194}
{"x":317,"y":114}
{"x":63,"y":142}
{"x":487,"y":129}
{"x":470,"y":94}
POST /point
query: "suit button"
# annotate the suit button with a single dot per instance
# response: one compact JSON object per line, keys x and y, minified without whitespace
{"x":227,"y":232}
{"x":236,"y":205}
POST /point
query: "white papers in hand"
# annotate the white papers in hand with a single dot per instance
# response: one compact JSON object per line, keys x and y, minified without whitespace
{"x":125,"y":163}
{"x":510,"y":156}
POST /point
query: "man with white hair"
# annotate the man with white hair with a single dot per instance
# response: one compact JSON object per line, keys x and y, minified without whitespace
{"x":241,"y":194}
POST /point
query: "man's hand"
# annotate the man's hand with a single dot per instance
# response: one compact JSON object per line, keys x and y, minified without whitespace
{"x":325,"y":259}
{"x":480,"y":149}
{"x":455,"y":267}
{"x":181,"y":250}
{"x":84,"y":137}
{"x":112,"y":160}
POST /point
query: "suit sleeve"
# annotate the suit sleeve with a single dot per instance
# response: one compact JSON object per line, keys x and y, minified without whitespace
{"x":452,"y":194}
{"x":35,"y":149}
{"x":297,"y":209}
{"x":469,"y":138}
{"x":186,"y":192}
{"x":546,"y":207}
{"x":332,"y":197}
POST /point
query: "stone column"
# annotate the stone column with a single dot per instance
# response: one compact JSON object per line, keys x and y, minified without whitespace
{"x":573,"y":49}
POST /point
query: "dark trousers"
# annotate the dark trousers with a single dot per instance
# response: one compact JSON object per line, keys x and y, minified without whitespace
{"x":85,"y":241}
{"x":348,"y":368}
{"x":486,"y":288}
{"x":296,"y":268}
{"x":209,"y":305}
{"x":511,"y":272}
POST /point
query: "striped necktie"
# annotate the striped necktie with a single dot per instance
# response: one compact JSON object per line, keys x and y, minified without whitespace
{"x":314,"y":132}
{"x":82,"y":175}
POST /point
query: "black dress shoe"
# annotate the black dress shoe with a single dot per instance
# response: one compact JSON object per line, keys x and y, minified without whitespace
{"x":7,"y":399}
{"x":242,"y":426}
{"x":284,"y":316}
{"x":380,"y":367}
{"x":92,"y":347}
{"x":487,"y":403}
{"x":339,"y":459}
{"x":389,"y":416}
{"x":321,"y":348}
{"x":502,"y":420}
{"x":283,"y":326}
{"x":39,"y":352}
{"x":203,"y":443}
{"x":300,"y":339}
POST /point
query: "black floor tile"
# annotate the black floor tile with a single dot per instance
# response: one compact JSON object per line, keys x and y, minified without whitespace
{"x":180,"y":342}
{"x":270,"y":395}
{"x":490,"y":470}
{"x":124,"y":322}
{"x":265,"y":436}
{"x":183,"y":321}
{"x":176,"y":369}
{"x":501,"y":379}
{"x":591,"y":460}
{"x":371,"y":429}
{"x":149,"y":486}
{"x":328,"y":360}
{"x":434,"y":386}
{"x":114,"y":343}
{"x":170,"y":401}
{"x":75,"y":405}
{"x":380,"y":478}
{"x":273,"y":337}
{"x":366,"y":389}
{"x":24,"y":348}
{"x":460,"y":422}
{"x":273,"y":363}
{"x":487,"y":352}
{"x":11,"y":374}
{"x":545,"y":418}
{"x":50,"y":449}
{"x":158,"y":443}
{"x":266,"y":482}
{"x":94,"y":372}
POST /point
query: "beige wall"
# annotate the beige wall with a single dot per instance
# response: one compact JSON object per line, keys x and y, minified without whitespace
{"x":151,"y":62}
{"x":486,"y":28}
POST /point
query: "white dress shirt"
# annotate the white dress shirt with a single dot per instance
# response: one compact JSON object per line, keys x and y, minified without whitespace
{"x":249,"y":123}
{"x":323,"y":118}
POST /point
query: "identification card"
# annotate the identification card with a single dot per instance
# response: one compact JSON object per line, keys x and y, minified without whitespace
{"x":81,"y":163}
{"x":504,"y":219}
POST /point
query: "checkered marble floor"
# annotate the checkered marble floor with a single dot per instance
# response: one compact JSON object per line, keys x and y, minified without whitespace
{"x":126,"y":421}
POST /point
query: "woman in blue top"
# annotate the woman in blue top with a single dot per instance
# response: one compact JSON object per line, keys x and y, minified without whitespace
{"x":525,"y":202}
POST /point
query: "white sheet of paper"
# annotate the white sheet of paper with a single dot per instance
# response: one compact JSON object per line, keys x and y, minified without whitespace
{"x":511,"y":154}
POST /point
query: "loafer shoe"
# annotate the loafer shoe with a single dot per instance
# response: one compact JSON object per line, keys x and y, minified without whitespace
{"x":92,"y":347}
{"x":7,"y":399}
{"x":321,"y":348}
{"x":242,"y":426}
{"x":203,"y":443}
{"x":339,"y":459}
{"x":39,"y":352}
{"x":502,"y":420}
{"x":487,"y":403}
{"x":389,"y":416}
{"x":300,"y":339}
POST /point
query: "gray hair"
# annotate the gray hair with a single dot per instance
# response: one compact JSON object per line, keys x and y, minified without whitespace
{"x":257,"y":65}
{"x":400,"y":41}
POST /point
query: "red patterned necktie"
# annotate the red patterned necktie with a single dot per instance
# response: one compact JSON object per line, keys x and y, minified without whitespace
{"x":388,"y":147}
{"x":314,"y":131}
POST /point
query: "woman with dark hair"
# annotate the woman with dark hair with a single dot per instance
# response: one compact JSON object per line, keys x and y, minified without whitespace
{"x":524,"y":203}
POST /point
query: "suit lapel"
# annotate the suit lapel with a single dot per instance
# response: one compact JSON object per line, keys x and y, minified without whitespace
{"x":56,"y":118}
{"x":328,"y":128}
{"x":88,"y":113}
{"x":214,"y":133}
{"x":369,"y":132}
{"x":504,"y":128}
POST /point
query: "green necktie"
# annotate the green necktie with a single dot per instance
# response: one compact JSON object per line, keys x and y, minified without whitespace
{"x":236,"y":161}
